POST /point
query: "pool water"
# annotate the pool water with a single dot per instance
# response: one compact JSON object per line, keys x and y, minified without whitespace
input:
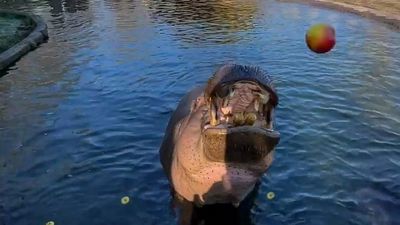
{"x":82,"y":117}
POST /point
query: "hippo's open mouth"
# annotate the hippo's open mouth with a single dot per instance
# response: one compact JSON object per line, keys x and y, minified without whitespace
{"x":239,"y":126}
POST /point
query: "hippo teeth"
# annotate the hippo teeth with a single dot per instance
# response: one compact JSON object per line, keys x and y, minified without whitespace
{"x":226,"y":110}
{"x":256,"y":105}
{"x":236,"y":204}
{"x":231,"y":93}
{"x":225,"y":102}
{"x":245,"y":106}
{"x":213,"y":115}
{"x":264,"y":98}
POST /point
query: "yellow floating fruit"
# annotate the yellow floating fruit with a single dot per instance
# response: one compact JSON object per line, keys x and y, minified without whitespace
{"x":238,"y":119}
{"x":50,"y":223}
{"x":125,"y":200}
{"x":270,"y":195}
{"x":320,"y":38}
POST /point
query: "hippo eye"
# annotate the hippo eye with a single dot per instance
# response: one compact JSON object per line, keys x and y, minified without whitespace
{"x":223,"y":91}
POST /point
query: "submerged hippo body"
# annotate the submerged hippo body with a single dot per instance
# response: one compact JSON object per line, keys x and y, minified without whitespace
{"x":220,"y":139}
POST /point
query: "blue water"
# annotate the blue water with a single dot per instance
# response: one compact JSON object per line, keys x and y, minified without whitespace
{"x":82,"y":116}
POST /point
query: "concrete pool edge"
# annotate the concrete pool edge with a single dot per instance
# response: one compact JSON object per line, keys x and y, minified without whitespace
{"x":37,"y":36}
{"x":389,"y":19}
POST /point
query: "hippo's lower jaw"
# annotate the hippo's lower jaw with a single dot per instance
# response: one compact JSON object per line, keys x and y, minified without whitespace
{"x":244,"y":144}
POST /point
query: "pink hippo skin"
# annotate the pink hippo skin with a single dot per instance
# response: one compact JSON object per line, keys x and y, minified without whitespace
{"x":221,"y":139}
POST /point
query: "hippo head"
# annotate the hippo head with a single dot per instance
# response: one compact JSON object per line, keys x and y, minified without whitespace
{"x":239,"y":126}
{"x":226,"y":142}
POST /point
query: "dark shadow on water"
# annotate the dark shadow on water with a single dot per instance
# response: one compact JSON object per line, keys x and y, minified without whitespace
{"x":216,"y":214}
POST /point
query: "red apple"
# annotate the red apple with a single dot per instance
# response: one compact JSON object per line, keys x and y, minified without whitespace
{"x":320,"y":38}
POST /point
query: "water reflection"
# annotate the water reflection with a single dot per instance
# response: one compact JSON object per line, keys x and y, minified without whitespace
{"x":56,"y":6}
{"x":206,"y":21}
{"x":69,"y":6}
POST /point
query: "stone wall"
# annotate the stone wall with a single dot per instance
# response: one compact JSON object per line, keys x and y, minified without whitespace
{"x":37,"y":36}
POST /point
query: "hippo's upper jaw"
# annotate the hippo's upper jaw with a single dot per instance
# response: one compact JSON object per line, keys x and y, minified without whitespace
{"x":239,"y":127}
{"x":221,"y":138}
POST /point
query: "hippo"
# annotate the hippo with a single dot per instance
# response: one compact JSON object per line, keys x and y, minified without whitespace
{"x":221,"y":138}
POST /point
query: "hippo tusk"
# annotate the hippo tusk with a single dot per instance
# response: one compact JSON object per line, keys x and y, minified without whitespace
{"x":264,"y":98}
{"x":257,"y":105}
{"x":213,"y":114}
